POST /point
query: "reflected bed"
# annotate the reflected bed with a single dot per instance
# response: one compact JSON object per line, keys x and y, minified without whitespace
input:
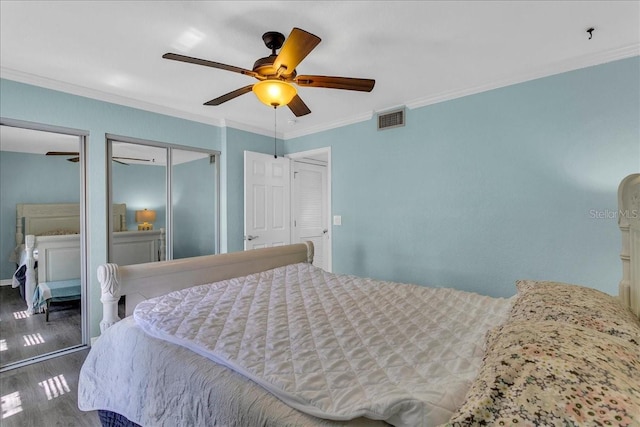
{"x":49,"y":246}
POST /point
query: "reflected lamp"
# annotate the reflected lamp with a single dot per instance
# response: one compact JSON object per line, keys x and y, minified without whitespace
{"x":274,"y":93}
{"x":145,"y":219}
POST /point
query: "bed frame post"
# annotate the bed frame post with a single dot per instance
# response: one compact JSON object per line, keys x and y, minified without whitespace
{"x":163,"y":245}
{"x":310,"y":252}
{"x":19,"y":231}
{"x":30,"y":283}
{"x":624,"y":287}
{"x":629,"y":223}
{"x":110,"y":286}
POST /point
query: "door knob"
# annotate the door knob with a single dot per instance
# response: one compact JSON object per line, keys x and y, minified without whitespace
{"x":250,"y":237}
{"x":325,"y":231}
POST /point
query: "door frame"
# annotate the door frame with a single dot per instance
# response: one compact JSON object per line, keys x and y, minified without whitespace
{"x":324,"y":151}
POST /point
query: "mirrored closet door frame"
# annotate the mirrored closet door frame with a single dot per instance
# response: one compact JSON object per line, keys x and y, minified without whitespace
{"x":84,"y":238}
{"x":169,"y":186}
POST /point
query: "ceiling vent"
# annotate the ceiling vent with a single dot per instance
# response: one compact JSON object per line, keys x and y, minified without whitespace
{"x":391,"y":119}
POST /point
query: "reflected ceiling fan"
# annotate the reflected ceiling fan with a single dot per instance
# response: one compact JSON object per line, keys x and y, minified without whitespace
{"x":76,"y":157}
{"x":277,"y":72}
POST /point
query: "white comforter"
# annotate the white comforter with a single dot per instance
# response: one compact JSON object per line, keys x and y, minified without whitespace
{"x":335,"y":346}
{"x":157,"y":384}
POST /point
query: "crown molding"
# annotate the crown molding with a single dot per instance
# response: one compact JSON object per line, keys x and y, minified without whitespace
{"x":553,"y":69}
{"x":557,"y":68}
{"x":248,"y":128}
{"x":328,"y":126}
{"x":47,"y":83}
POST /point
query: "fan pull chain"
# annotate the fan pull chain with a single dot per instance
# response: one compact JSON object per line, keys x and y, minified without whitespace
{"x":275,"y":146}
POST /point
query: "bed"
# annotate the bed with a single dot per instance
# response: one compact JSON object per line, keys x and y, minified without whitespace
{"x":264,"y":338}
{"x":48,"y":248}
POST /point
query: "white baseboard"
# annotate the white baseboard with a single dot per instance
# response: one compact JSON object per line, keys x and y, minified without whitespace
{"x":6,"y":282}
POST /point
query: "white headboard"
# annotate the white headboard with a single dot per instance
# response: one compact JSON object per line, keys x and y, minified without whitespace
{"x":39,"y":219}
{"x":629,"y":222}
{"x":143,"y":281}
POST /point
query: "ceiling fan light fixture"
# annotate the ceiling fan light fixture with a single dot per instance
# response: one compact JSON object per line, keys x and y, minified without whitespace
{"x":276,"y":71}
{"x":274,"y":93}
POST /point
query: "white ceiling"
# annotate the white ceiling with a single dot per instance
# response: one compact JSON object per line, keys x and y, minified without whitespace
{"x":418,"y":52}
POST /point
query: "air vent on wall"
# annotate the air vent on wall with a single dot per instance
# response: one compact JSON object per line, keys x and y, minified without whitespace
{"x":391,"y":119}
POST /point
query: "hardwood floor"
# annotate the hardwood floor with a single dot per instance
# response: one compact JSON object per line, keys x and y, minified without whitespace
{"x":25,"y":336}
{"x":45,"y":394}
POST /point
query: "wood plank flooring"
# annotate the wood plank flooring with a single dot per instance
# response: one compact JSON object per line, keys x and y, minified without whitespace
{"x":25,"y":336}
{"x":45,"y":394}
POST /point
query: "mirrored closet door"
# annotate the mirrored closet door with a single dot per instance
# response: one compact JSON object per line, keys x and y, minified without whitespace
{"x":139,"y":203}
{"x":194,"y":189}
{"x":43,"y":248}
{"x":142,"y":187}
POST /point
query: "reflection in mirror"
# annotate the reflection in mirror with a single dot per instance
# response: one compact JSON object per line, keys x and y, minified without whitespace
{"x":41,"y":187}
{"x":139,"y":194}
{"x":141,"y":186}
{"x":193,"y":197}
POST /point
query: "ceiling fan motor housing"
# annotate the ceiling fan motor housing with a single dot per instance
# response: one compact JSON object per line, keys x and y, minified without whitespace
{"x":264,"y":66}
{"x":273,"y":40}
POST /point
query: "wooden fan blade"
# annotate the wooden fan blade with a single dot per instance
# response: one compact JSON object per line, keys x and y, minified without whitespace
{"x":296,"y":47}
{"x":346,"y":83}
{"x":206,"y":63}
{"x":62,"y":153}
{"x":229,"y":96}
{"x":298,"y":107}
{"x":130,"y":158}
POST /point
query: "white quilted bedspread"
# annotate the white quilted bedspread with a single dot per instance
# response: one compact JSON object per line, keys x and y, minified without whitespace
{"x":336,"y":346}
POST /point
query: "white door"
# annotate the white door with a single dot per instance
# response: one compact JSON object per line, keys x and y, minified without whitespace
{"x":310,"y":211}
{"x":267,"y":213}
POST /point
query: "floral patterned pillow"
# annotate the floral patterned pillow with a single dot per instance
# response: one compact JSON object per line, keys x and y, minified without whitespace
{"x":554,"y":373}
{"x":577,"y":305}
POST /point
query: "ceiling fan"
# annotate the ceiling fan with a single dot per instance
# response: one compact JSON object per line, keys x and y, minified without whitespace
{"x":276,"y":72}
{"x":76,"y":157}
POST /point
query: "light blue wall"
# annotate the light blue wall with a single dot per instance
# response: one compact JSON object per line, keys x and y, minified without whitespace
{"x":31,"y":178}
{"x":477,"y":192}
{"x":30,"y":103}
{"x":140,"y":187}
